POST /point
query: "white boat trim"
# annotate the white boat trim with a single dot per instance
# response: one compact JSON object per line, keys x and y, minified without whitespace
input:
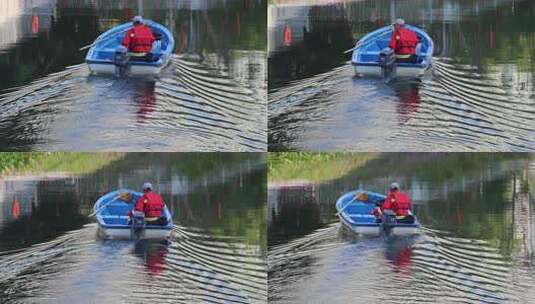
{"x":125,"y":233}
{"x":368,"y":70}
{"x":371,"y":229}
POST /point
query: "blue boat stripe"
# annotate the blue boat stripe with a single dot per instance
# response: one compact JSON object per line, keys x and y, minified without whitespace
{"x":413,"y":66}
{"x":128,"y":227}
{"x":130,"y":63}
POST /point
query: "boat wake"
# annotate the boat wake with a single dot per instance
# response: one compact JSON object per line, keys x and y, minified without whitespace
{"x":191,"y":107}
{"x":435,"y":266}
{"x":454,"y":107}
{"x":472,"y":111}
{"x":194,"y":267}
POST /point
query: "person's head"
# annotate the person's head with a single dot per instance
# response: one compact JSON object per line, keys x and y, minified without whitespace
{"x":399,"y":23}
{"x":137,"y":20}
{"x":394,"y":186}
{"x":147,"y":187}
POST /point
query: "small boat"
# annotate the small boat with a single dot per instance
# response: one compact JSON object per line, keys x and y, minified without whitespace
{"x":358,"y":217}
{"x":111,"y":212}
{"x":102,"y":56}
{"x":372,"y":56}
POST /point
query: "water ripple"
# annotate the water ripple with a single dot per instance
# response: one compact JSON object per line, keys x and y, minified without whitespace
{"x":455,"y":107}
{"x":435,"y":266}
{"x":192,"y":107}
{"x":195,"y":267}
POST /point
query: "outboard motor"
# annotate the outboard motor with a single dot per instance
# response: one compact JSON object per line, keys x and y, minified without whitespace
{"x":389,"y":221}
{"x":138,"y":224}
{"x":387,"y":60}
{"x":120,"y":59}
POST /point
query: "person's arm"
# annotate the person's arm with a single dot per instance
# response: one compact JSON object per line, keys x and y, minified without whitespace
{"x":394,"y":40}
{"x":140,"y":204}
{"x":126,"y":39}
{"x":387,"y":203}
{"x":136,"y":204}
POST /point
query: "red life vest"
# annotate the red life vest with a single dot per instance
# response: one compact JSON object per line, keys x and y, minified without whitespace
{"x":139,"y":39}
{"x":151,"y":204}
{"x":398,"y":202}
{"x":404,"y":41}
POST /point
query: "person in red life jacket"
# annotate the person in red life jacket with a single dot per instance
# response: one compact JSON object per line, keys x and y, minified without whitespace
{"x":152,"y":206}
{"x":139,"y":40}
{"x":399,"y":203}
{"x":404,"y":42}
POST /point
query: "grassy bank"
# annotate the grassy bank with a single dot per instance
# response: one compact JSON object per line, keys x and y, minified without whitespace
{"x":75,"y":163}
{"x":319,"y":167}
{"x":314,"y":167}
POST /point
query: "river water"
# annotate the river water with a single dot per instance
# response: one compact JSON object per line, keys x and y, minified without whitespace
{"x":478,"y":96}
{"x":476,"y":244}
{"x":210,"y":98}
{"x":50,"y":252}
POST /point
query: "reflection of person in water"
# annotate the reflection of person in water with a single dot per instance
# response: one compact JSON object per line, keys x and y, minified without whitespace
{"x":146,"y":99}
{"x":154,"y":254}
{"x":409,"y":100}
{"x":399,"y":253}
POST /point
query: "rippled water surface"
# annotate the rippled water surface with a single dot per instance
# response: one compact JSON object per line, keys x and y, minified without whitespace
{"x":50,"y":252}
{"x":210,"y":98}
{"x":478,"y":96}
{"x":476,"y":243}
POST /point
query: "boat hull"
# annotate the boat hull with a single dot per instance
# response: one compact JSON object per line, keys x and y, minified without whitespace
{"x":125,"y":233}
{"x":113,"y":222}
{"x":368,"y":230}
{"x":101,"y":56}
{"x":376,"y":71}
{"x":132,"y":70}
{"x":369,"y":50}
{"x":363,"y":223}
{"x":377,"y":230}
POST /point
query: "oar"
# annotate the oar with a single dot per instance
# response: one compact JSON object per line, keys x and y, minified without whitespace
{"x":352,"y":49}
{"x":98,"y":40}
{"x":347,"y":205}
{"x":361,"y":44}
{"x":104,"y":206}
{"x":87,"y":46}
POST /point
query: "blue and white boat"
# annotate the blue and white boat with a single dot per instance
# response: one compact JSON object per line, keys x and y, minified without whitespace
{"x":111,"y":213}
{"x":358,"y":217}
{"x":101,"y":57}
{"x":368,"y":51}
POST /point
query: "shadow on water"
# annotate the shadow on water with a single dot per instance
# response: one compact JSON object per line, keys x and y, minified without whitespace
{"x":476,"y":244}
{"x":50,"y":251}
{"x":211,"y":97}
{"x":477,"y":97}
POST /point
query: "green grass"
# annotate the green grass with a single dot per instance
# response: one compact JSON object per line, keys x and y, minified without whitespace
{"x":75,"y":163}
{"x":314,"y":167}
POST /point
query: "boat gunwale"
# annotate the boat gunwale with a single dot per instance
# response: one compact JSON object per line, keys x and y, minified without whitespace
{"x":346,"y":219}
{"x":102,"y":38}
{"x":107,"y":196}
{"x":158,"y":63}
{"x":378,"y":32}
{"x":398,"y":65}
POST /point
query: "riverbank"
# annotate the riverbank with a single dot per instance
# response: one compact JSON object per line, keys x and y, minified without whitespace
{"x":75,"y":163}
{"x":314,"y":167}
